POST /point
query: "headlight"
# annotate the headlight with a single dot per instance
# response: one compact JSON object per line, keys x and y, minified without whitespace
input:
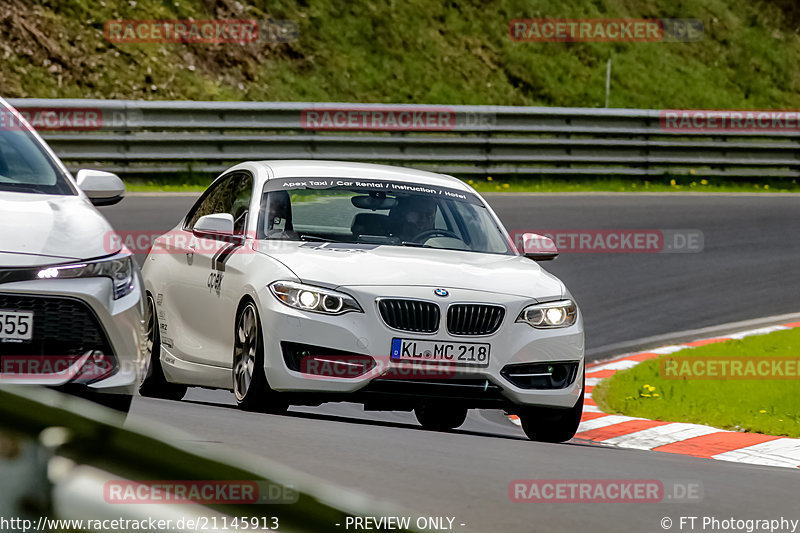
{"x":560,"y":314}
{"x":315,"y":299}
{"x":119,"y":268}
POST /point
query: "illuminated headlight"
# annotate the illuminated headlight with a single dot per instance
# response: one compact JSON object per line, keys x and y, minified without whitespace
{"x":550,"y":315}
{"x":316,"y":299}
{"x":118,"y":268}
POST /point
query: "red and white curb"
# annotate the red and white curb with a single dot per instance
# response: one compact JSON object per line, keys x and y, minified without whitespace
{"x":675,"y":437}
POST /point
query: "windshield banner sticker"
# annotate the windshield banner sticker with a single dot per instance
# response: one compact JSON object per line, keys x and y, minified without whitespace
{"x":374,"y":185}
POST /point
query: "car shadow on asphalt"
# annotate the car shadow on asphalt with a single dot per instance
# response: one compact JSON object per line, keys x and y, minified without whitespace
{"x":379,"y":423}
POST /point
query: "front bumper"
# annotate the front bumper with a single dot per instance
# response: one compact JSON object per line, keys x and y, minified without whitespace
{"x":367,"y":334}
{"x":121,"y":323}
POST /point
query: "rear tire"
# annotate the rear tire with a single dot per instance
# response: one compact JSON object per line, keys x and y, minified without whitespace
{"x":546,"y":424}
{"x":155,"y":384}
{"x":440,"y":417}
{"x":250,"y":385}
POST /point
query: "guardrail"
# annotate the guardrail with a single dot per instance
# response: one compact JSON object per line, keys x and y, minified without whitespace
{"x":58,"y":454}
{"x":158,"y":137}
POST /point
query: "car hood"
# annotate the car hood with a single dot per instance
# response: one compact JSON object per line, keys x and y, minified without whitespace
{"x":41,"y":228}
{"x":346,"y":265}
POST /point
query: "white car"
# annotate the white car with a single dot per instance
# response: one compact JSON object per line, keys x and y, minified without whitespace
{"x":71,"y":304}
{"x":303,"y":282}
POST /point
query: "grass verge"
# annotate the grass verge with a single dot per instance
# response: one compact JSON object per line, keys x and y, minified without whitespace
{"x":611,"y":184}
{"x":163,"y":187}
{"x":415,"y":51}
{"x":770,"y":406}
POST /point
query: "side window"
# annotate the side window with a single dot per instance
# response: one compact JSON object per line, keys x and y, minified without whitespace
{"x":231,"y":195}
{"x":208,"y":203}
{"x":242,"y":194}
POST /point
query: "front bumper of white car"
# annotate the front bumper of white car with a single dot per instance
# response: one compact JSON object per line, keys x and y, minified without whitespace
{"x":291,"y":336}
{"x":84,"y":341}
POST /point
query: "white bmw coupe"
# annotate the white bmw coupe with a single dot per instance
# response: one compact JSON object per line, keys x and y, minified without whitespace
{"x":304,"y":282}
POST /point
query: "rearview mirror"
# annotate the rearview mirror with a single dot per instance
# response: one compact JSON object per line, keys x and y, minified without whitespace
{"x":538,"y":247}
{"x":375,"y":203}
{"x":102,"y":188}
{"x":220,"y":223}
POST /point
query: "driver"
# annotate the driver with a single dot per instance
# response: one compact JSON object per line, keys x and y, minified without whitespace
{"x":413,"y":216}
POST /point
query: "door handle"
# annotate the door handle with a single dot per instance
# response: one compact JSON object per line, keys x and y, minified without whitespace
{"x":190,"y":253}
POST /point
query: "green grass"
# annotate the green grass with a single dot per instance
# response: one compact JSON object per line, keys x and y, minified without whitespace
{"x":677,"y":184}
{"x":761,"y":406}
{"x":413,"y":51}
{"x":163,"y":187}
{"x":417,"y":51}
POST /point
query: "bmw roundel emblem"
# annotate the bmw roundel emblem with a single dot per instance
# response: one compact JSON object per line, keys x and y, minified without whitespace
{"x":441,"y":292}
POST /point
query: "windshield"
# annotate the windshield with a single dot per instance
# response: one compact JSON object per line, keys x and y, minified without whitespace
{"x":384,"y":213}
{"x":24,"y":166}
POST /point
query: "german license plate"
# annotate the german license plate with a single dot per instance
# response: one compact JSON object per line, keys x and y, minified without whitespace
{"x":458,"y":353}
{"x":16,"y":326}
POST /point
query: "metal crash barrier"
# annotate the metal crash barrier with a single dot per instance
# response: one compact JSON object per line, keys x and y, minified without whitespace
{"x":168,"y":137}
{"x":63,"y":458}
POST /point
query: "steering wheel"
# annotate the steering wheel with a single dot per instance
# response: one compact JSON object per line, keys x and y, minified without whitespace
{"x":428,"y":234}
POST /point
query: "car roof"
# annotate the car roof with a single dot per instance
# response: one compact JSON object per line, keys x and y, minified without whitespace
{"x":283,"y":169}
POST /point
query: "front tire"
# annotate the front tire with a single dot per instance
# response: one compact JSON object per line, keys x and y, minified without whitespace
{"x":250,"y":386}
{"x":546,"y":424}
{"x":155,"y":384}
{"x":440,"y":417}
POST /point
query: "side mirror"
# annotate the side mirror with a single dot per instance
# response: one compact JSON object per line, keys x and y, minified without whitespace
{"x":218,"y":223}
{"x":102,"y":188}
{"x":538,"y":247}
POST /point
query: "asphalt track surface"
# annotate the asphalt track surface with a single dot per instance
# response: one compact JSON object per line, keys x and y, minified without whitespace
{"x":748,"y":269}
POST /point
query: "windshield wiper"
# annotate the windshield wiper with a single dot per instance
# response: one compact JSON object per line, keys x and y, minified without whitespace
{"x":420,"y":245}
